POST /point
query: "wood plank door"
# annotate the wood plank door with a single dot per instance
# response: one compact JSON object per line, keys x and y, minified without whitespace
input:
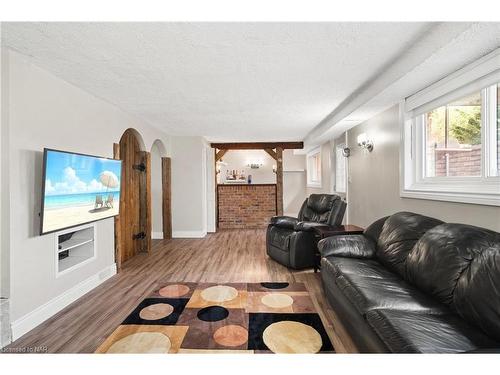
{"x":166,"y":175}
{"x":130,"y":204}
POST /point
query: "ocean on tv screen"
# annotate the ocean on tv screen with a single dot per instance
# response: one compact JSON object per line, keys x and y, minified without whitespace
{"x":79,"y":189}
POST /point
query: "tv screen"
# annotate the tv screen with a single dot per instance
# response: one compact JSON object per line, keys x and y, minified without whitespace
{"x":78,"y":189}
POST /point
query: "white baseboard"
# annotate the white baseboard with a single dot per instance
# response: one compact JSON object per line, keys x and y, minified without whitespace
{"x":188,"y":234}
{"x":157,"y":235}
{"x":49,"y":309}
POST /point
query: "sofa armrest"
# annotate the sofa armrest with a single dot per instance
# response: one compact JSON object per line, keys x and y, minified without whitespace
{"x":287,"y":222}
{"x":348,"y":246}
{"x":308,"y":226}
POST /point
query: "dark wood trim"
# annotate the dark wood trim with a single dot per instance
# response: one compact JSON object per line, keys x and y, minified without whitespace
{"x":271,"y":153}
{"x":118,"y":232}
{"x":145,"y":199}
{"x":166,"y":174}
{"x":279,"y":181}
{"x":220,"y":154}
{"x":257,"y":145}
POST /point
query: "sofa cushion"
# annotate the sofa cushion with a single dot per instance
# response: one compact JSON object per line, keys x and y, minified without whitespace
{"x":460,"y":265}
{"x":279,"y":237}
{"x":399,"y":234}
{"x":364,"y":267}
{"x":351,"y":246}
{"x":416,"y":332}
{"x":369,"y":293}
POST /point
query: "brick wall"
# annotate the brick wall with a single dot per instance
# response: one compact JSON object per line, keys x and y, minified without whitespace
{"x":460,"y":162}
{"x":246,"y":206}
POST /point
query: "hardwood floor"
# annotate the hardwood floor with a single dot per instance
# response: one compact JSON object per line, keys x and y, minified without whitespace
{"x":226,"y":256}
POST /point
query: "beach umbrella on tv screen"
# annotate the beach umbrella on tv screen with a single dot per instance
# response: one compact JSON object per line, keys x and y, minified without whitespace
{"x":109,"y":180}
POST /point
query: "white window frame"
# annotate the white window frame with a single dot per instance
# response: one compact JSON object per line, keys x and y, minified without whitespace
{"x":342,"y":158}
{"x":310,"y":155}
{"x":485,"y":190}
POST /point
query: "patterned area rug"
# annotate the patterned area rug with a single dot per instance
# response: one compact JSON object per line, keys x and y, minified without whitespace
{"x":221,"y":318}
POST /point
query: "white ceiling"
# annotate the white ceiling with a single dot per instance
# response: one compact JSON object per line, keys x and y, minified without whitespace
{"x":225,"y":81}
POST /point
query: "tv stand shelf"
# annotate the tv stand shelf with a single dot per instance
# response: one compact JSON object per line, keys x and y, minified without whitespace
{"x":74,"y":248}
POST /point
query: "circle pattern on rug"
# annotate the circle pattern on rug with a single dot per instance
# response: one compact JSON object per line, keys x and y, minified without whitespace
{"x":231,"y":335}
{"x":142,"y":342}
{"x":275,"y":285}
{"x":277,"y":300}
{"x":219,"y":293}
{"x":174,"y":291}
{"x":213,"y":313}
{"x":156,"y":311}
{"x":292,"y":337}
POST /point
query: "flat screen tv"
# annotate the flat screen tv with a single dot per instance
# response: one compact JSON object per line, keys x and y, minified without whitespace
{"x":78,"y":189}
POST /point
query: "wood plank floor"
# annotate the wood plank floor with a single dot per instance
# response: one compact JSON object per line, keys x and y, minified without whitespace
{"x":226,"y":256}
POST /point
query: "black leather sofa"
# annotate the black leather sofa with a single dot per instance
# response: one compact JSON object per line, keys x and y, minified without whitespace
{"x":413,"y":284}
{"x":291,"y":241}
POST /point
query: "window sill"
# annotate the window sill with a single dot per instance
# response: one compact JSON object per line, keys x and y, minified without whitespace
{"x":457,"y":197}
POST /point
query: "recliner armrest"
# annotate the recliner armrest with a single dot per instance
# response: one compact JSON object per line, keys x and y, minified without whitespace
{"x":308,"y":226}
{"x":284,"y":221}
{"x":347,"y":246}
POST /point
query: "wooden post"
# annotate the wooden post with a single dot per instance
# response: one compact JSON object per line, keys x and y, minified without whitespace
{"x":279,"y":181}
{"x":145,"y":199}
{"x":167,"y":200}
{"x":118,"y":232}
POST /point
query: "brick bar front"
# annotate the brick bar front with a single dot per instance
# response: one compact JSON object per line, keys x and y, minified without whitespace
{"x":245,"y":206}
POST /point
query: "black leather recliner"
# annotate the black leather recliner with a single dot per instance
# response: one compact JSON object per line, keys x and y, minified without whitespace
{"x":291,"y":242}
{"x":413,"y":284}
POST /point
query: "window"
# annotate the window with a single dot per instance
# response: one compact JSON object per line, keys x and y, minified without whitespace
{"x":340,"y":169}
{"x":314,"y":168}
{"x":452,"y":151}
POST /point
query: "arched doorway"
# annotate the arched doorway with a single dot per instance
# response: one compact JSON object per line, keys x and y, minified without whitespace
{"x":133,"y":226}
{"x":160,"y":192}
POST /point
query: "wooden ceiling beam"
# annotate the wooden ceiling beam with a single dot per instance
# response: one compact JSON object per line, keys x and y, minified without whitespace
{"x":220,"y":154}
{"x":271,"y":153}
{"x":257,"y":145}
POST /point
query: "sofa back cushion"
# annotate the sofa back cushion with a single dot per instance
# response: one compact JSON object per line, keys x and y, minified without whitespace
{"x":400,"y":233}
{"x":460,"y":265}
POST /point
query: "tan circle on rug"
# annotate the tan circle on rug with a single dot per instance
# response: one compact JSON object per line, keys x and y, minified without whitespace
{"x":156,"y":311}
{"x":292,"y":337}
{"x":142,"y":342}
{"x":277,"y":300}
{"x":231,"y":335}
{"x":174,"y":291}
{"x":219,"y":293}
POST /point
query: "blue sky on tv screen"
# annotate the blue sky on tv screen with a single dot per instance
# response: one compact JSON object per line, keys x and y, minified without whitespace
{"x":77,"y":174}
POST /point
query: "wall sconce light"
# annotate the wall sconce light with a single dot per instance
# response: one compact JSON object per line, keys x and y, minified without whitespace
{"x":364,"y":142}
{"x":275,"y":168}
{"x":346,"y":152}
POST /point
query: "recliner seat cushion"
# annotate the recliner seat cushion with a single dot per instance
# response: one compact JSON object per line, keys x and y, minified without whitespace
{"x":400,"y":233}
{"x":370,"y":293}
{"x":460,"y":265}
{"x":416,"y":332}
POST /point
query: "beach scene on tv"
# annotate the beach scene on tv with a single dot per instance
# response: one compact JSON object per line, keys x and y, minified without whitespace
{"x":79,"y":189}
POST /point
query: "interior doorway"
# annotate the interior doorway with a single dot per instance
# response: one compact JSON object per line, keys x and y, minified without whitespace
{"x":133,"y":226}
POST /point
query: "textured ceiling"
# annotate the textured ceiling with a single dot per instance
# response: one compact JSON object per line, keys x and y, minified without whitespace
{"x":225,"y":81}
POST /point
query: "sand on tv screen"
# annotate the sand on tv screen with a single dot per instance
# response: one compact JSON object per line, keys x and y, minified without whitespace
{"x":78,"y":189}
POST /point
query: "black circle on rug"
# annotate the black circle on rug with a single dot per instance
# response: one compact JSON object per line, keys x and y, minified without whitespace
{"x":213,"y":313}
{"x":274,"y":285}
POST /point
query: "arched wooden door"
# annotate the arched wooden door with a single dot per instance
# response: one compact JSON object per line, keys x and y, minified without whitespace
{"x":133,"y":229}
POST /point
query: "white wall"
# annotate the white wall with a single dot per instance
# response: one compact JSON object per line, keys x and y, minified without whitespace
{"x":189,"y":177}
{"x":373,"y":189}
{"x":156,"y":192}
{"x":45,"y":111}
{"x":294,"y":182}
{"x":238,"y":159}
